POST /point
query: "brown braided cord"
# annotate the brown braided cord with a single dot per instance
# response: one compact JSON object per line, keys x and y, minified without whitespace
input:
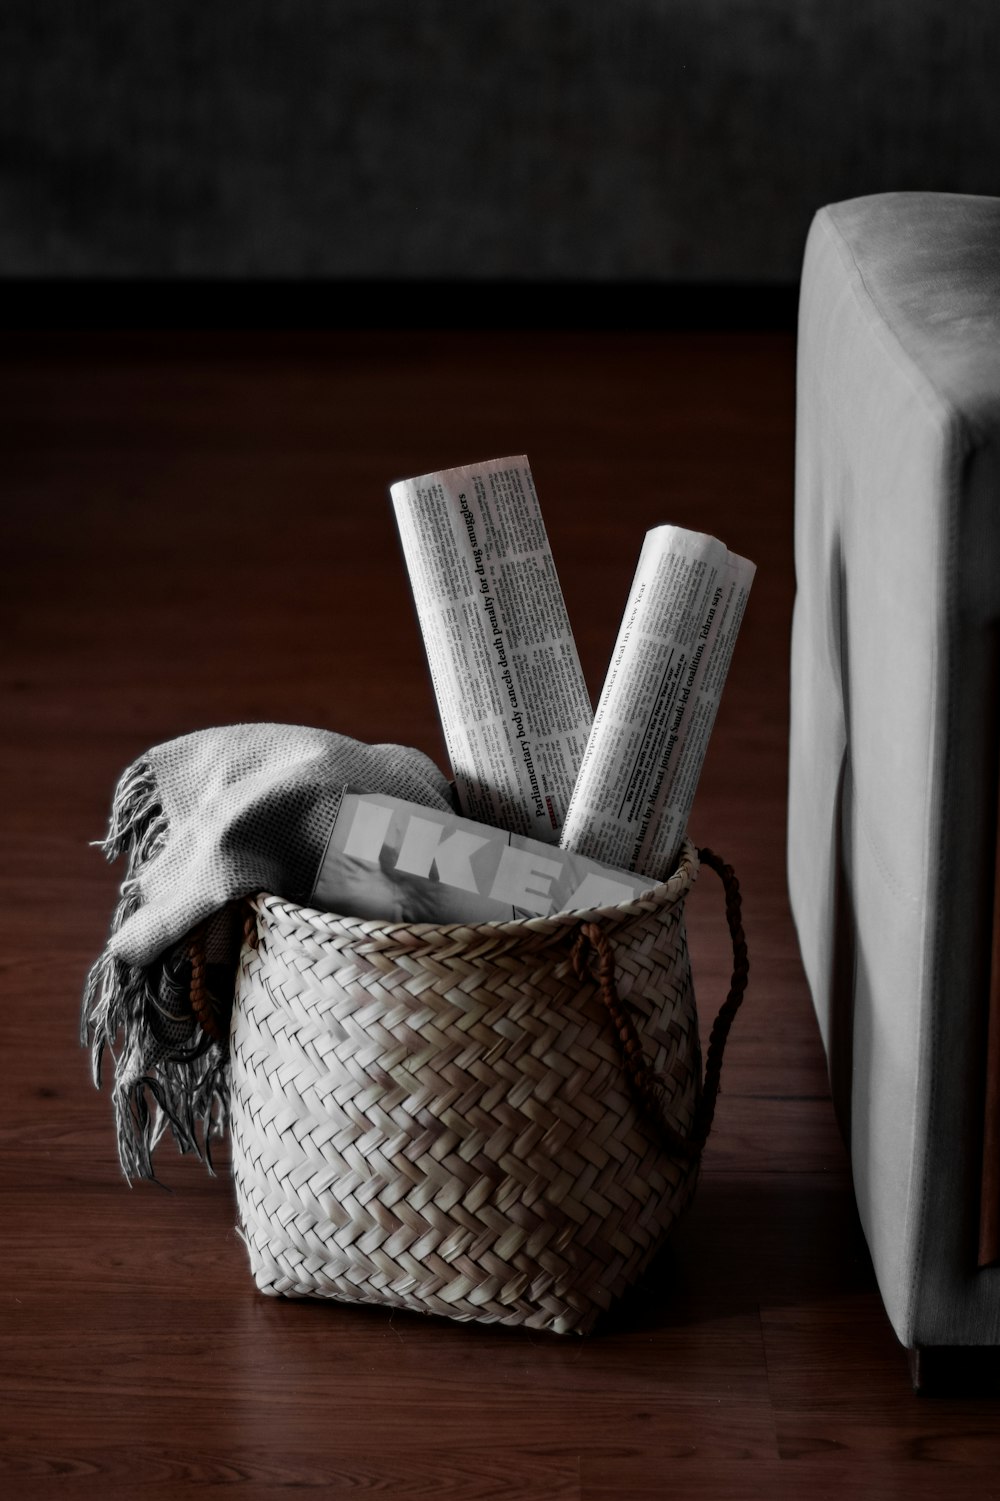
{"x":200,"y":996}
{"x":733,"y":1001}
{"x":212,"y":1013}
{"x":594,"y":952}
{"x":250,"y":935}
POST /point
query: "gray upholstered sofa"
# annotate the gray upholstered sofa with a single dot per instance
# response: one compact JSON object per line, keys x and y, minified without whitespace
{"x":895,"y":740}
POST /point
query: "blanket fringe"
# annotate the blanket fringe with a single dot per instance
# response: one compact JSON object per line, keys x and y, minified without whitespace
{"x":138,"y":825}
{"x":188,"y":1087}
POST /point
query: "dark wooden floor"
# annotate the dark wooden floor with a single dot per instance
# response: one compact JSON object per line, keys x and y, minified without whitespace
{"x":197,"y":530}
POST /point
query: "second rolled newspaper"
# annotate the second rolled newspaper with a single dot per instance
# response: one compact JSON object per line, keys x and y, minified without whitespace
{"x":641,"y":766}
{"x":510,"y":691}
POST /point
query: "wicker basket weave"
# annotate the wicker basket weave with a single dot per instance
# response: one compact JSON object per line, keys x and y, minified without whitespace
{"x":497,"y":1122}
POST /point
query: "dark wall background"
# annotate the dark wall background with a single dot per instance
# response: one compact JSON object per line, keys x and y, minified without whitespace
{"x":676,"y":141}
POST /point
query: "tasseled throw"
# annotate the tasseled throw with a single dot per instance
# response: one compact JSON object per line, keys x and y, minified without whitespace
{"x":204,"y":821}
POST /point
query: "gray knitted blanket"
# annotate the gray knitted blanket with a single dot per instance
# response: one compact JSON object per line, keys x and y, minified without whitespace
{"x":204,"y":821}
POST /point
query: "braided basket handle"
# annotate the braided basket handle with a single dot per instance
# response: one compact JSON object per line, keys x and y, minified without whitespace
{"x":594,"y":953}
{"x":200,"y":997}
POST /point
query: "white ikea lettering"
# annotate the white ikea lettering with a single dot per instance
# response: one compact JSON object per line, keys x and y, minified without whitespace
{"x":366,"y":835}
{"x":518,"y":879}
{"x":426,"y":844}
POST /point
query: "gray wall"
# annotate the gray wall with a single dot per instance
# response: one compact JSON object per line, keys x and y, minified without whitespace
{"x":686,"y":141}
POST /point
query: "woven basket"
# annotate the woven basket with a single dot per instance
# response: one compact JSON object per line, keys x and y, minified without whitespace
{"x":497,"y":1122}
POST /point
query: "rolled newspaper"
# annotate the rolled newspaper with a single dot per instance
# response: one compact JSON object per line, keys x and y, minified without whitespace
{"x":510,"y":691}
{"x":651,"y":729}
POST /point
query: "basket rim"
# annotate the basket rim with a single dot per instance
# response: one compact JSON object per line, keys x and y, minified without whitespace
{"x":668,"y":893}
